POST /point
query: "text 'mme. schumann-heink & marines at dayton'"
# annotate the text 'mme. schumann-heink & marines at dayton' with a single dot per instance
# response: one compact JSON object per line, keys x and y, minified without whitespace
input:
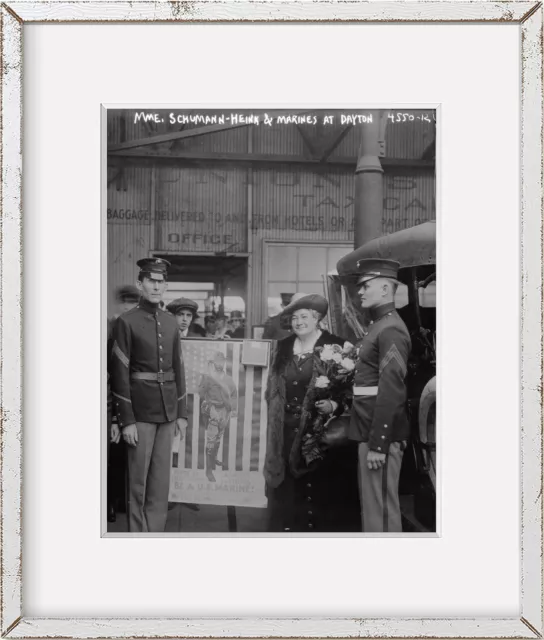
{"x":337,"y":424}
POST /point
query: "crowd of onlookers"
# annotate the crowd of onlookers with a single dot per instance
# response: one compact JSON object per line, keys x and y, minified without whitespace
{"x":220,"y":326}
{"x":214,"y":325}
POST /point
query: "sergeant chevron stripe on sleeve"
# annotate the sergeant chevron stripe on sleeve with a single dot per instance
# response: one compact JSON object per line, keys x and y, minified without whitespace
{"x":393,"y":354}
{"x":120,"y":354}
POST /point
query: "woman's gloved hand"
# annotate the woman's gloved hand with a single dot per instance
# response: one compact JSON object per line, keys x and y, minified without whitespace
{"x":326,"y":406}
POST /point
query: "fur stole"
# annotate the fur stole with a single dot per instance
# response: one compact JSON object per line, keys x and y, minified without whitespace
{"x":274,"y":465}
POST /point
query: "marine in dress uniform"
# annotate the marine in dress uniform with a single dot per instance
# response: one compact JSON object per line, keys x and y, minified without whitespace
{"x":148,"y":387}
{"x":379,"y":422}
{"x":219,"y":397}
{"x":181,"y":308}
{"x":185,"y":311}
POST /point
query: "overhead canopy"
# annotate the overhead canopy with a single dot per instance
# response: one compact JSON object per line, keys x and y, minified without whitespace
{"x":230,"y":271}
{"x":411,"y":247}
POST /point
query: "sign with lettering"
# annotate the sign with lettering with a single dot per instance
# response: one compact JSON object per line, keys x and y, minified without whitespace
{"x":205,"y":210}
{"x":325,"y":202}
{"x":201,"y":210}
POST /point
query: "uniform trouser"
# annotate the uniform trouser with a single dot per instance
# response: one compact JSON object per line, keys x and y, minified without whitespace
{"x":149,"y":477}
{"x":379,"y":491}
{"x":217,"y":423}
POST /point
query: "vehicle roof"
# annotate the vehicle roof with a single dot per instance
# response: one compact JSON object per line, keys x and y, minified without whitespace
{"x":411,"y":247}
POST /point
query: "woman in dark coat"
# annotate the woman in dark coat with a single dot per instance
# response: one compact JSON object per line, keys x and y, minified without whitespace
{"x":322,"y":497}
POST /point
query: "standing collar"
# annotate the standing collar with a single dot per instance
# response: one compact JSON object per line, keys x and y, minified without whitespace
{"x":379,"y":312}
{"x":145,"y":305}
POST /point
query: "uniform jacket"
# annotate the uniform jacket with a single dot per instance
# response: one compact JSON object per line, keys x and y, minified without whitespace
{"x":383,"y":355}
{"x":274,"y":465}
{"x":146,"y":339}
{"x":219,"y":391}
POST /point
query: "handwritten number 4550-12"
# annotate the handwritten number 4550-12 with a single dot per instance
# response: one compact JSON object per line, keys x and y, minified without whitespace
{"x":410,"y":117}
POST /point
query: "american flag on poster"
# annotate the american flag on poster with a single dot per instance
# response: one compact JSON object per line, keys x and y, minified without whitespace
{"x":239,"y":478}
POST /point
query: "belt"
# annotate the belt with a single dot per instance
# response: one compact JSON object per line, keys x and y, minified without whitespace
{"x":161,"y":376}
{"x":365,"y":391}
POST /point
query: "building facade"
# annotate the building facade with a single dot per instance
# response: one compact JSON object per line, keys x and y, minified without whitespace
{"x":253,"y":210}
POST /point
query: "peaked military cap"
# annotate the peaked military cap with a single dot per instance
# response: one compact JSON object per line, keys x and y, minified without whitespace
{"x":371,"y":268}
{"x":183,"y":303}
{"x":313,"y":301}
{"x":154,"y":267}
{"x":127,"y":293}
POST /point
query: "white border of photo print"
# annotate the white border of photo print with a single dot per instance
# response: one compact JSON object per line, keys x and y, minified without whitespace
{"x":17,"y":617}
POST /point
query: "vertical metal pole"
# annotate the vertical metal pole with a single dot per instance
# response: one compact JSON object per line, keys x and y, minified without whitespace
{"x":368,"y":184}
{"x":154,"y":230}
{"x":222,"y":295}
{"x":250,"y":303}
{"x":231,"y":518}
{"x":180,"y":521}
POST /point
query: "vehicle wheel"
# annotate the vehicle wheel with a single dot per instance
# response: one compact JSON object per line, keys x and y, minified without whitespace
{"x":427,"y":428}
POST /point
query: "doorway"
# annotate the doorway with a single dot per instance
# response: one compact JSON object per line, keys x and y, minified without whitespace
{"x":217,"y":283}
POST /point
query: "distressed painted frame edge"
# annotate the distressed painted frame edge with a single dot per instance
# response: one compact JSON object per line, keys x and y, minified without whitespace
{"x":529,"y":15}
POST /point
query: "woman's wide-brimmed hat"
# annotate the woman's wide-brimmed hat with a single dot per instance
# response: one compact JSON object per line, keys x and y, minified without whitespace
{"x":312,"y":301}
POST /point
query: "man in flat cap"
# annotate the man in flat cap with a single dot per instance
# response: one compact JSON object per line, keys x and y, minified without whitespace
{"x":185,"y":312}
{"x":148,"y":386}
{"x":219,"y":403}
{"x":378,"y":420}
{"x":126,"y":297}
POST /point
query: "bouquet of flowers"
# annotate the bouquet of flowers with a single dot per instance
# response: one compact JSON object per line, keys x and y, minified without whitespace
{"x":335,"y":367}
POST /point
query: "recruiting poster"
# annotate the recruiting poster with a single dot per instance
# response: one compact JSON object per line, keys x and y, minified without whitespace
{"x":220,"y":459}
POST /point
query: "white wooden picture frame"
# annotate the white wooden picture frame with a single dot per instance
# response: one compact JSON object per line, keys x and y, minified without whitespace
{"x":528,"y":16}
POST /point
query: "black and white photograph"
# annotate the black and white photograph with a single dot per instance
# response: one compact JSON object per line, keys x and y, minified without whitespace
{"x":270,"y":352}
{"x":302,"y":247}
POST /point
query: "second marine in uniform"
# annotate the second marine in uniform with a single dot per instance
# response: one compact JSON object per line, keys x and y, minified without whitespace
{"x":148,"y":386}
{"x":378,"y":420}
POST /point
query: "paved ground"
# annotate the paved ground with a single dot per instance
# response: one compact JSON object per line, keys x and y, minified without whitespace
{"x":209,"y":519}
{"x":214,"y":519}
